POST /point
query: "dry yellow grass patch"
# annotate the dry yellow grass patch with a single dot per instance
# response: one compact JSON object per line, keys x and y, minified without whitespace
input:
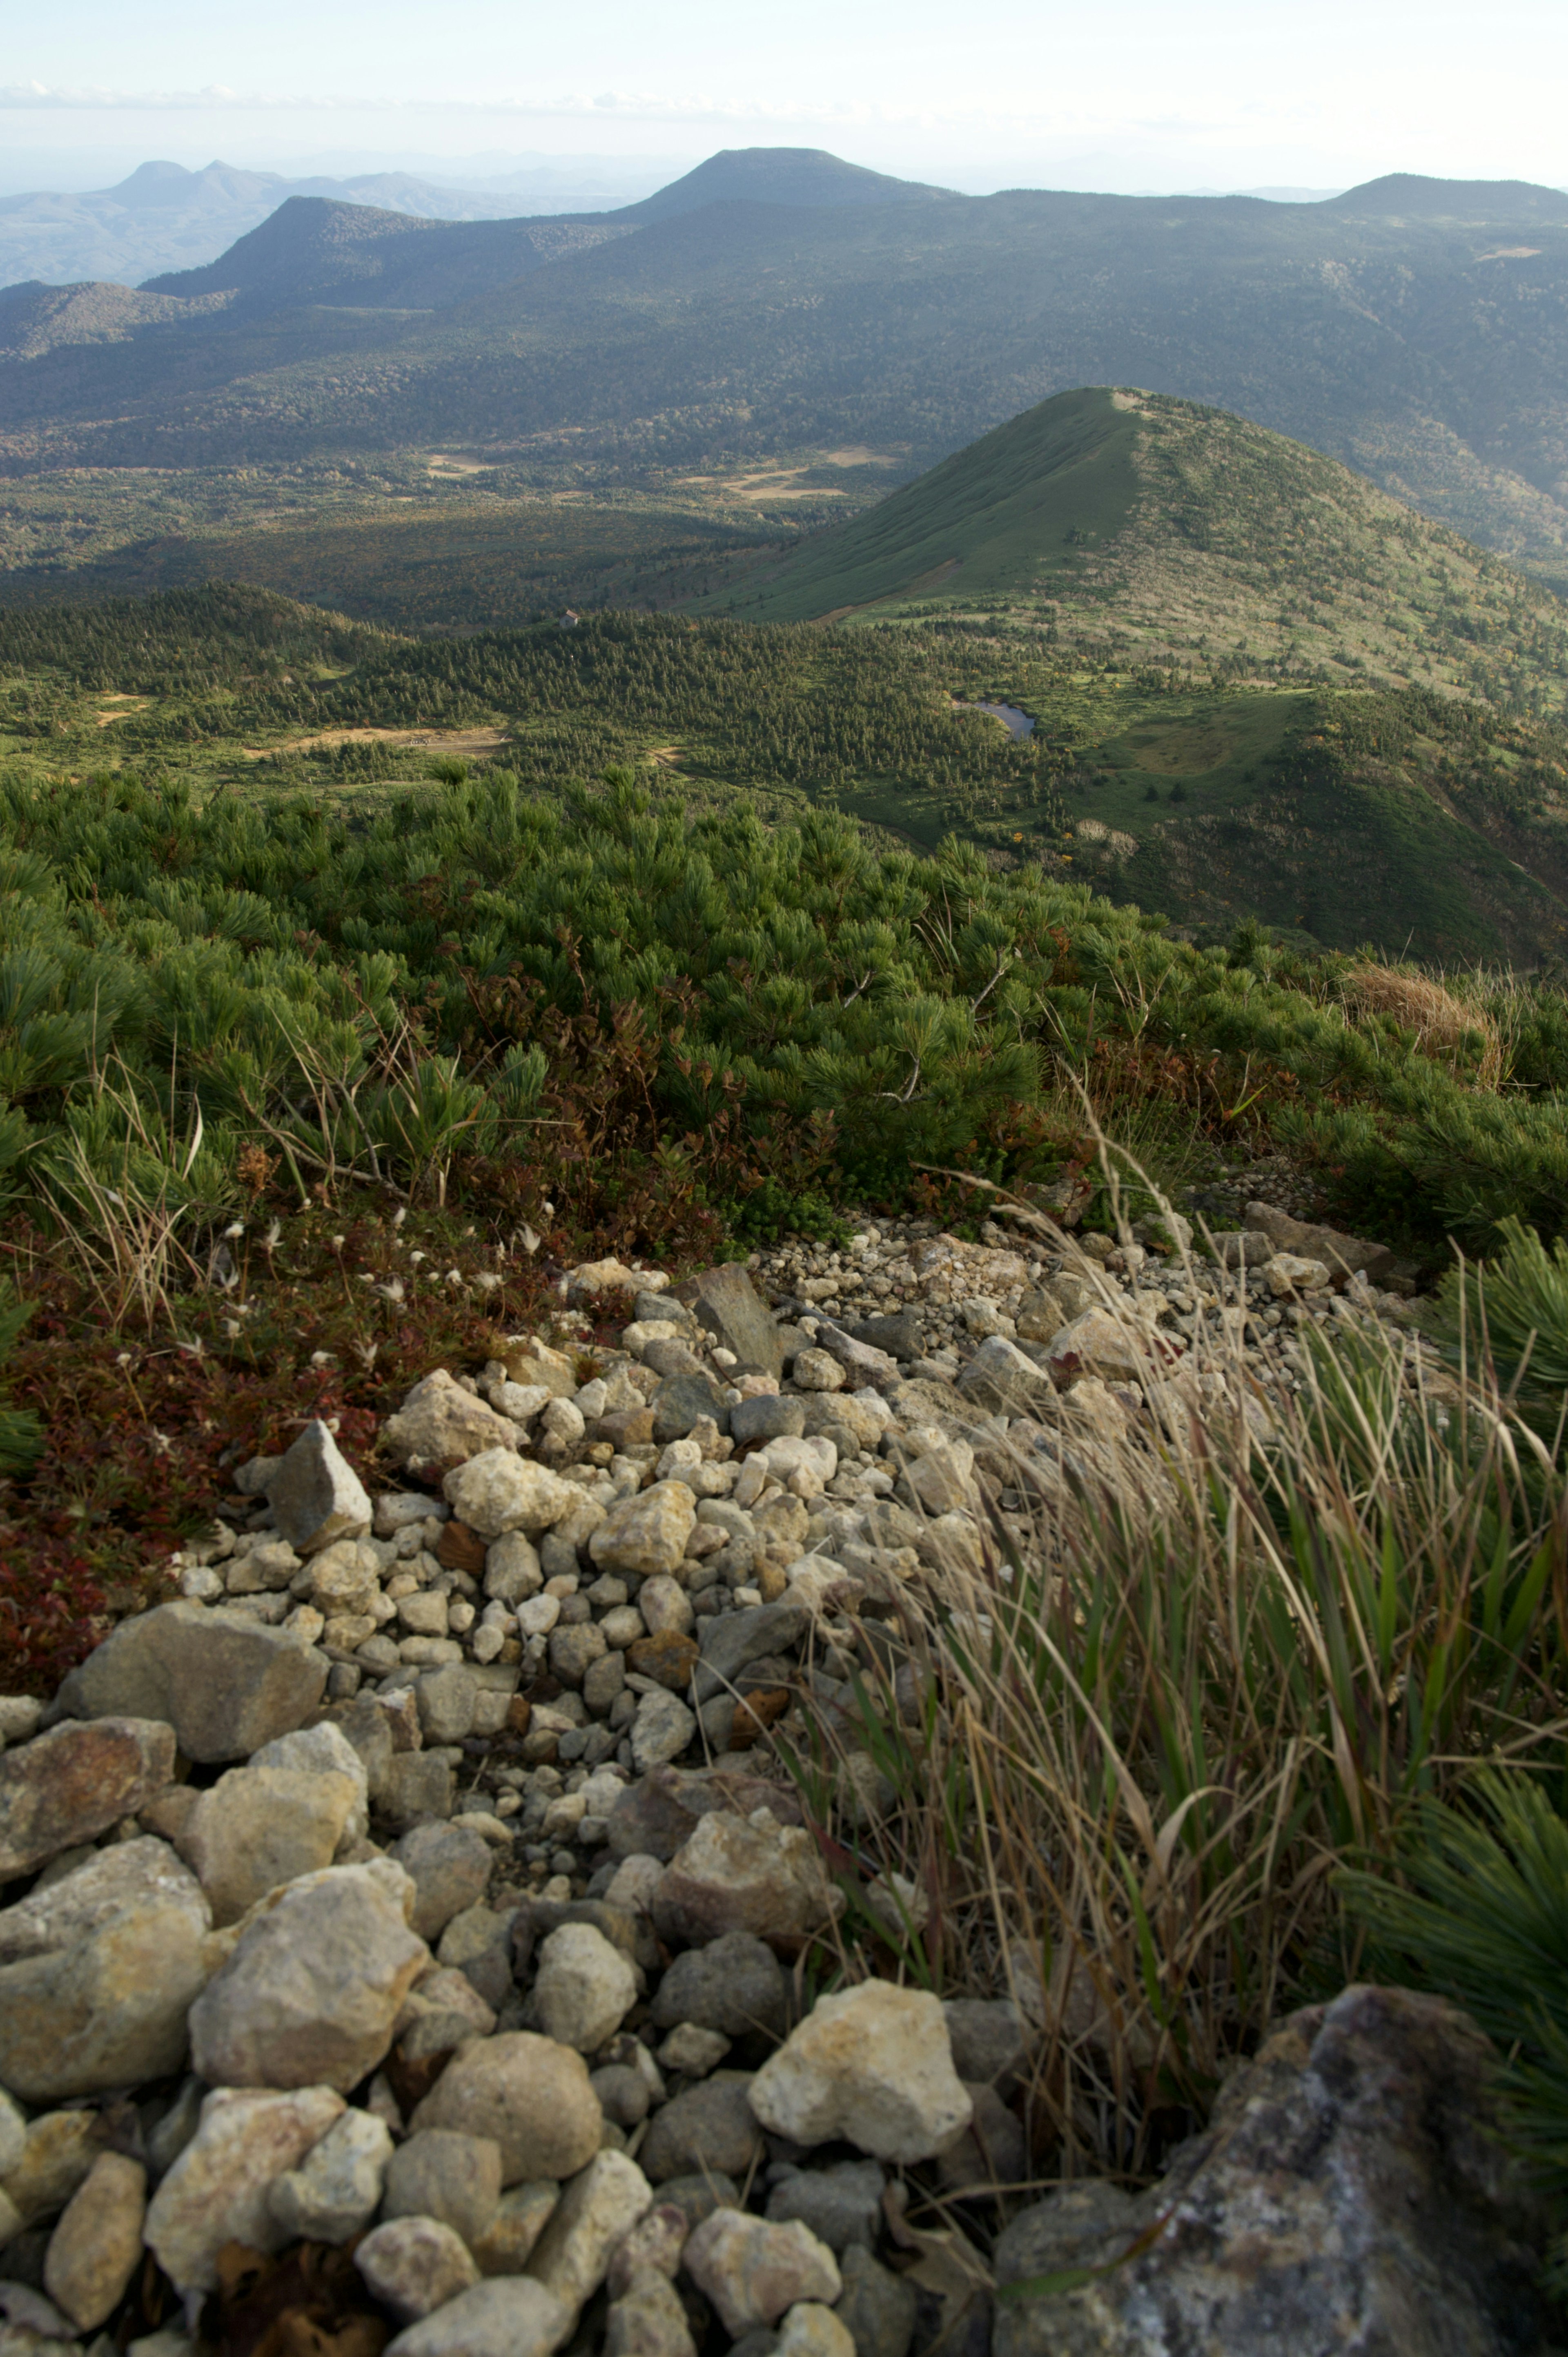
{"x":1439,"y":1020}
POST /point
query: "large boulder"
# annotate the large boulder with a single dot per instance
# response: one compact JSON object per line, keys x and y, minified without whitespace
{"x":68,"y":1786}
{"x":98,"y":1972}
{"x":225,"y":1683}
{"x":315,"y":1981}
{"x":1348,"y":2195}
{"x":872,"y":2065}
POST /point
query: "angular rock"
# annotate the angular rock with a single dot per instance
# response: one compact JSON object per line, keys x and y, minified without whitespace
{"x":102,"y":1969}
{"x":710,"y":2126}
{"x":989,"y":2041}
{"x":225,"y":1683}
{"x":877,"y":2308}
{"x":655,"y":1817}
{"x":1287,"y":1275}
{"x":442,"y":2173}
{"x":872,"y":2065}
{"x":343,"y":1745}
{"x":447,"y":1699}
{"x":420,"y":1786}
{"x":1246,"y":1248}
{"x":257,"y":1828}
{"x":901,"y":1335}
{"x":653,"y":2246}
{"x":337,"y":2191}
{"x":841,"y":2205}
{"x":95,"y":2249}
{"x":217,"y":2190}
{"x":440,"y":1426}
{"x":1099,"y":1344}
{"x":648,"y":2319}
{"x":414,"y":2265}
{"x":669,"y":1657}
{"x":682,"y":1401}
{"x":595,"y":2214}
{"x":499,"y":1491}
{"x":1002,"y":1378}
{"x":647,"y":1534}
{"x":512,"y":1569}
{"x":1344,"y":1255}
{"x":767,"y":1417}
{"x":521,"y":2216}
{"x":860,"y":1363}
{"x":508,"y":2316}
{"x":752,"y":2270}
{"x":733,"y":1876}
{"x":450,"y":1868}
{"x":315,"y":1982}
{"x":661,"y":1731}
{"x":530,"y":2094}
{"x":314,"y":1493}
{"x":1345,"y":2196}
{"x":584,"y":1988}
{"x":66,"y":1787}
{"x":693,"y":2052}
{"x":735,"y":1985}
{"x":731,"y":1640}
{"x":727,"y":1306}
{"x":345,"y":1577}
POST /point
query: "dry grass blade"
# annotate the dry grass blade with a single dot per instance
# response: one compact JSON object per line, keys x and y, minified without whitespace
{"x":1442,"y":1021}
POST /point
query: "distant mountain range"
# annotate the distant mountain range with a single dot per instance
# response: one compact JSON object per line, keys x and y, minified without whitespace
{"x":780,"y":300}
{"x":163,"y":217}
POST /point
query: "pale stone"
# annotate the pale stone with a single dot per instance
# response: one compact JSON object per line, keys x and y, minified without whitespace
{"x":59,"y":2151}
{"x":661,"y":1731}
{"x":66,"y":1787}
{"x":12,"y":2136}
{"x":521,"y":2217}
{"x":442,"y":2173}
{"x":585,"y":1989}
{"x":810,"y":2330}
{"x":414,"y":2266}
{"x":649,"y":2319}
{"x":217,"y":2191}
{"x":733,"y":1876}
{"x":647,"y":1534}
{"x":1000,"y":1376}
{"x":942,"y":1478}
{"x":1288,"y":1274}
{"x":94,"y":2250}
{"x":257,"y":1828}
{"x":693,"y":2051}
{"x":508,"y":2316}
{"x":530,"y":2094}
{"x":336,"y":2194}
{"x":499,"y":1491}
{"x":440,"y":1426}
{"x":314,"y":1493}
{"x":653,"y":2246}
{"x":753,"y":2269}
{"x":596,"y":2211}
{"x":818,"y":1370}
{"x":106,"y":1966}
{"x":512,"y":1569}
{"x":226,"y":1683}
{"x":315,"y":1982}
{"x":664,"y":1606}
{"x":19,"y":1716}
{"x":1099,"y":1344}
{"x":451,"y":1866}
{"x":344,"y":1578}
{"x":872,"y":2065}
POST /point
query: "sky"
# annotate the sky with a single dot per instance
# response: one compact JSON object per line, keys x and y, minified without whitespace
{"x":1153,"y":95}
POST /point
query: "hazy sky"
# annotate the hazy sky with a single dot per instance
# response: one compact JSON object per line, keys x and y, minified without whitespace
{"x":1149,"y":94}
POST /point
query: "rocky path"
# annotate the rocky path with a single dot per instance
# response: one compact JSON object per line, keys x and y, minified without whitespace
{"x":404,"y":1937}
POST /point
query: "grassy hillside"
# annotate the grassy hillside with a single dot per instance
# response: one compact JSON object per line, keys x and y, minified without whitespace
{"x":1427,"y":345}
{"x":1411,"y":819}
{"x":1159,"y":532}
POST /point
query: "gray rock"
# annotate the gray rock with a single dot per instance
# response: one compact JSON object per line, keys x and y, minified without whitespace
{"x":533,"y":2097}
{"x":661,"y":1731}
{"x":901,"y":1336}
{"x":225,"y":1683}
{"x":311,"y":1991}
{"x":698,"y":2197}
{"x":657,"y":1815}
{"x":448,"y":1698}
{"x":66,"y":1787}
{"x":1348,"y":2195}
{"x":1244,"y":1248}
{"x":731,"y":1640}
{"x":841,"y":2205}
{"x":860,"y":1363}
{"x":735,"y":1986}
{"x":512,"y":1567}
{"x":771,"y":1417}
{"x":711,"y":2126}
{"x":624,"y":2094}
{"x":314,"y":1493}
{"x":259,"y":1828}
{"x":991,"y":2151}
{"x":990,"y":2042}
{"x":416,"y":2265}
{"x":753,"y":2271}
{"x":509,"y":2316}
{"x":670,"y":1357}
{"x":595,"y":2212}
{"x":726,"y":1305}
{"x":876,"y":2308}
{"x":1344,"y":1255}
{"x":682,"y":1401}
{"x":649,"y":2319}
{"x":1002,"y":1377}
{"x":573,"y":1650}
{"x":336,"y":2191}
{"x":662,"y":1309}
{"x":585,"y":1989}
{"x":419,"y":1785}
{"x":741,"y":1875}
{"x":450,"y":1868}
{"x":442,"y":2173}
